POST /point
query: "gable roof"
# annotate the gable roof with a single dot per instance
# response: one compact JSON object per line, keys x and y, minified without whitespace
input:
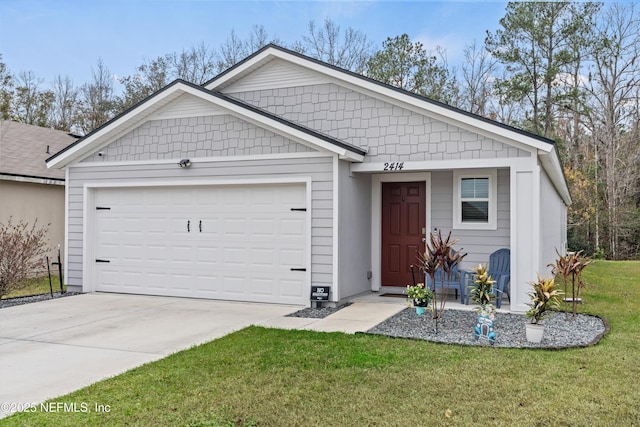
{"x":213,"y":90}
{"x":140,"y":112}
{"x":23,"y":150}
{"x":545,"y":148}
{"x":272,"y":51}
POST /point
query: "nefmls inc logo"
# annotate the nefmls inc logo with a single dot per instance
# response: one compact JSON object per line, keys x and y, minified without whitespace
{"x":80,"y":407}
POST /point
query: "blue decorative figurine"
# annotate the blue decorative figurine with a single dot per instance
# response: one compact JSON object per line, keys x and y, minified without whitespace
{"x":484,"y":327}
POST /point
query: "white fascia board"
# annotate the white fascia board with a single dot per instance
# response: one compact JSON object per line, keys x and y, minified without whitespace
{"x":116,"y":128}
{"x":551,"y":164}
{"x":253,"y":157}
{"x":255,"y":63}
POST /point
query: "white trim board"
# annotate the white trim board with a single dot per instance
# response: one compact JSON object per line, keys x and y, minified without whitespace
{"x":89,"y":215}
{"x":254,"y":157}
{"x":376,"y":215}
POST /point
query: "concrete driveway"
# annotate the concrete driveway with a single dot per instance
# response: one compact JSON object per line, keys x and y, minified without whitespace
{"x":53,"y":347}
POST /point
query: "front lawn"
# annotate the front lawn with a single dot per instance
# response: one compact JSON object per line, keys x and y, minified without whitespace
{"x":36,"y":286}
{"x":271,"y":377}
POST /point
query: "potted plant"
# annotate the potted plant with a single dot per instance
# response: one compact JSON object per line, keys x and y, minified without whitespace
{"x":482,"y":293}
{"x":544,"y":298}
{"x":419,"y":296}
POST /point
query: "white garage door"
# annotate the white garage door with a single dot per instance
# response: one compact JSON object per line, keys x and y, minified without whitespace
{"x":236,"y":242}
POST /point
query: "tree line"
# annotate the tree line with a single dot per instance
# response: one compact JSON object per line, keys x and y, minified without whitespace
{"x":568,"y":71}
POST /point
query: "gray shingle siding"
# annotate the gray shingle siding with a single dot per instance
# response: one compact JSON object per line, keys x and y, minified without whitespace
{"x":390,"y":133}
{"x":193,"y":137}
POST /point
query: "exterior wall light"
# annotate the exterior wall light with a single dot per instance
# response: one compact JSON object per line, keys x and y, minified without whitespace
{"x":184,"y":163}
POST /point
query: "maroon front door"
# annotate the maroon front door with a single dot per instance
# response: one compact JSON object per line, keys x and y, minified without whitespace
{"x":403,"y":228}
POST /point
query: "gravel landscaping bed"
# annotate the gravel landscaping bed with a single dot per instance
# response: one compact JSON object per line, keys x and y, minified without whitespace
{"x":317,"y":313}
{"x":10,"y":302}
{"x":456,"y":327}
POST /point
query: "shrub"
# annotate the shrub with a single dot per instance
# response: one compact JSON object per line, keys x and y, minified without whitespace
{"x":22,"y":253}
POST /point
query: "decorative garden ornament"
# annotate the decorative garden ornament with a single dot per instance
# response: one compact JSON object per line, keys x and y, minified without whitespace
{"x":482,"y":293}
{"x":484,"y":326}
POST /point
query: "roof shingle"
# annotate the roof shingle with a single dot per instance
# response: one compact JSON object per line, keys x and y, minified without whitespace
{"x":23,"y":149}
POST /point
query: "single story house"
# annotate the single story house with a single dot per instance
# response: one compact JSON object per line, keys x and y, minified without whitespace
{"x":285,"y":172}
{"x":29,"y":191}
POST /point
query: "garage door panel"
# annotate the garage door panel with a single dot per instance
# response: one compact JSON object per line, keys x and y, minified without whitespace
{"x":289,"y":289}
{"x":264,"y":227}
{"x":263,"y":287}
{"x":292,"y":257}
{"x":132,"y":280}
{"x":293,"y":227}
{"x":233,"y":284}
{"x":227,"y":242}
{"x":263,"y":257}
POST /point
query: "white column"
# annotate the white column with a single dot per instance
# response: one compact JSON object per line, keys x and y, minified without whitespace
{"x":525,"y":233}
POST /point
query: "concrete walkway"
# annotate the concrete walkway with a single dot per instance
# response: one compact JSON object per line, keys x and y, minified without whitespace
{"x":54,"y":347}
{"x":358,"y":317}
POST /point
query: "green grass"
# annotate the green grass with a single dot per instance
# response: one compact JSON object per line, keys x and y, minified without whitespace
{"x":36,"y":287}
{"x":270,"y":377}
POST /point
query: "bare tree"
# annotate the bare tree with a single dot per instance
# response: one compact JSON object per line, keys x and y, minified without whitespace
{"x":32,"y":105}
{"x":196,"y":65}
{"x":97,"y":103}
{"x":234,"y":49}
{"x":349,"y":49}
{"x":478,"y":71}
{"x":613,"y":88}
{"x":6,"y":91}
{"x":65,"y":99}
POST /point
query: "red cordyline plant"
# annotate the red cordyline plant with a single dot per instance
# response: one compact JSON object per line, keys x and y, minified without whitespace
{"x":570,"y":267}
{"x":22,"y":253}
{"x":438,"y":254}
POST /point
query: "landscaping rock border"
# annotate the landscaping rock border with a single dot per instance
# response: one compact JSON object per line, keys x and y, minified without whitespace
{"x":456,"y":327}
{"x":317,"y":313}
{"x":11,"y":302}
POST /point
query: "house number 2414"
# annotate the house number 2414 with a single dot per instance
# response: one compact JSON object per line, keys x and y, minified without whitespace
{"x":393,"y":166}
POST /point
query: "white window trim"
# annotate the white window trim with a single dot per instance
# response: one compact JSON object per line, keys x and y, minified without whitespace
{"x":492,"y":175}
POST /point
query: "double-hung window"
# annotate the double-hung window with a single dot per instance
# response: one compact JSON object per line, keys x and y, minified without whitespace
{"x":475,"y":200}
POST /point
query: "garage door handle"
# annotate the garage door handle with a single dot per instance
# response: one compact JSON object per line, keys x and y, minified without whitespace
{"x":102,"y":260}
{"x":188,"y":226}
{"x":298,"y":269}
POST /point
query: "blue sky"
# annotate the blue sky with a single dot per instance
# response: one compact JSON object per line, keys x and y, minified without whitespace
{"x":58,"y":37}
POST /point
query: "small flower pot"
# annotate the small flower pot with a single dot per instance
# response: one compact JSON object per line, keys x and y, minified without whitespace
{"x":420,"y":310}
{"x":534,"y":332}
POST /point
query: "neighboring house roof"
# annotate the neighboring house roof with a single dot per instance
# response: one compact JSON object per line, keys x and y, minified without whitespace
{"x":23,"y":151}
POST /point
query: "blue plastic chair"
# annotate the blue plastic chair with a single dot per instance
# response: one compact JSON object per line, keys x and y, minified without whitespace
{"x":457,"y":282}
{"x":500,"y":270}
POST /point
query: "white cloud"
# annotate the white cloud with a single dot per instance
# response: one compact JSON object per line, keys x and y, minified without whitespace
{"x":451,"y":43}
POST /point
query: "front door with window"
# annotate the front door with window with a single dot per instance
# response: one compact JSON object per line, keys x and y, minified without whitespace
{"x":403,"y":228}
